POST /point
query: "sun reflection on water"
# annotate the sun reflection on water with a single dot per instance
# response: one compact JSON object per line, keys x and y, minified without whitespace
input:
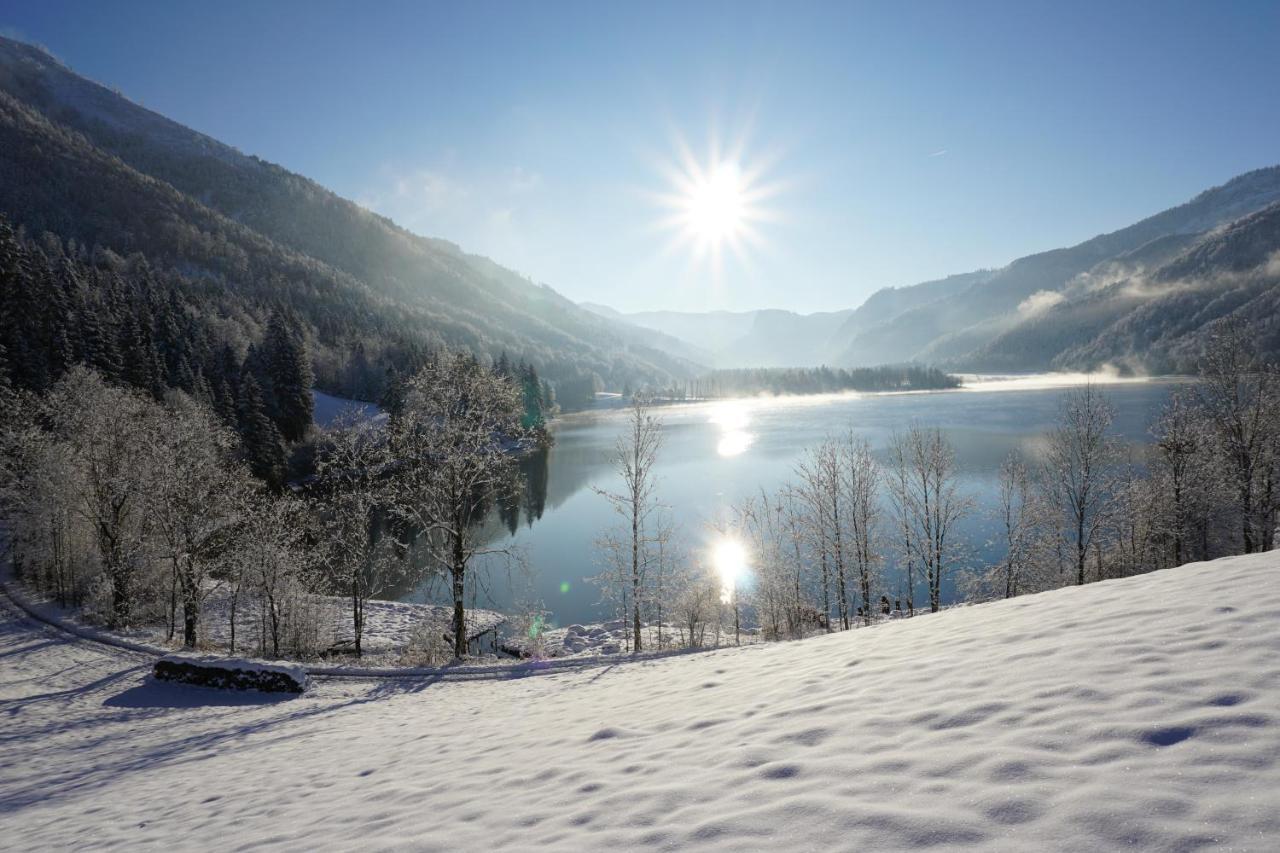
{"x":732,"y":418}
{"x":730,"y":561}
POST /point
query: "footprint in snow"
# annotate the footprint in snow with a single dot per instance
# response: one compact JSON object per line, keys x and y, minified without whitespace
{"x":1167,"y":736}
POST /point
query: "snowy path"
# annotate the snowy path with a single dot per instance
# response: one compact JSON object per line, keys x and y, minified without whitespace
{"x":1142,"y":713}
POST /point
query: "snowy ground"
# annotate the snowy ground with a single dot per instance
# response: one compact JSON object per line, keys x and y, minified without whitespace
{"x":612,"y":638}
{"x":389,"y":626}
{"x":328,"y":409}
{"x":1137,"y":714}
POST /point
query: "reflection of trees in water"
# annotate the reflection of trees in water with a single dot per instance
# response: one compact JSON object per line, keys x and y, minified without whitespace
{"x":529,"y":495}
{"x":497,"y":579}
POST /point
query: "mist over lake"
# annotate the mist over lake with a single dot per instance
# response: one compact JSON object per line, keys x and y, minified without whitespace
{"x":716,"y":454}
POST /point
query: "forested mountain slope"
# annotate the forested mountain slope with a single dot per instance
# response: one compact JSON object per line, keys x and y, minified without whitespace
{"x":1005,"y":319}
{"x":86,"y":164}
{"x":1234,"y":272}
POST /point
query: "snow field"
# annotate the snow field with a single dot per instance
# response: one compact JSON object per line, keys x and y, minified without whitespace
{"x":1138,"y":714}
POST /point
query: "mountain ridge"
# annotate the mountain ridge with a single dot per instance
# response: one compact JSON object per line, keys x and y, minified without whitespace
{"x":265,"y":220}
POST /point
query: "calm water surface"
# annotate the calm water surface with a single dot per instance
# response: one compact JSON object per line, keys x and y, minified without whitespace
{"x":716,"y":454}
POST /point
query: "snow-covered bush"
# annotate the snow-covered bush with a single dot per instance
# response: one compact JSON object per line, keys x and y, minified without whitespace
{"x":429,"y":643}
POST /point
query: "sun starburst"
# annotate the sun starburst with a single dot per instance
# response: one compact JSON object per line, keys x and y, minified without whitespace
{"x":714,"y":206}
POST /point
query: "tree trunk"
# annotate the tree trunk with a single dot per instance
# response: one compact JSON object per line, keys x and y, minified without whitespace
{"x":826,"y":591}
{"x":1246,"y":514}
{"x":1081,"y":550}
{"x":235,"y":599}
{"x":459,"y":570}
{"x":637,"y":645}
{"x":357,"y":615}
{"x":190,"y":622}
{"x":173,"y":601}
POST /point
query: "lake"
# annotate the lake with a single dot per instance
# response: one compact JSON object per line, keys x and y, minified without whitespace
{"x":717,"y":453}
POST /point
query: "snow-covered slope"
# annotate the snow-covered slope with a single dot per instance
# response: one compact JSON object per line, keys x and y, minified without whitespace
{"x":1136,"y":714}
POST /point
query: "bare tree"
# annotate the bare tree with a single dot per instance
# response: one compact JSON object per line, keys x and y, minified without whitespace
{"x":634,"y":457}
{"x":821,"y":474}
{"x":48,"y":541}
{"x":352,"y":472}
{"x":862,"y":485}
{"x":1182,"y":447}
{"x":794,"y":551}
{"x":931,"y":501}
{"x":1077,"y":478}
{"x":695,"y":602}
{"x":902,"y":506}
{"x":454,"y":444}
{"x":106,"y":433}
{"x":1018,"y":523}
{"x":665,"y":556}
{"x":194,"y":499}
{"x":271,"y":550}
{"x":1241,"y":396}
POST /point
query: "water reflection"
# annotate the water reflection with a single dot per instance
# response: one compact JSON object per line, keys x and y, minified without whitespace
{"x":556,"y":517}
{"x":731,"y":417}
{"x":730,"y":561}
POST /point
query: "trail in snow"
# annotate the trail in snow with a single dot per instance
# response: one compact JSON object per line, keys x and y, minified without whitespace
{"x":1142,"y":713}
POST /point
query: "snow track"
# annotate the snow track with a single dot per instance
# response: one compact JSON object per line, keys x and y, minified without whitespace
{"x":1137,"y":714}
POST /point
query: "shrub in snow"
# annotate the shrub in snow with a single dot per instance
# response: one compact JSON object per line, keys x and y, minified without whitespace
{"x":231,"y":673}
{"x":429,"y":643}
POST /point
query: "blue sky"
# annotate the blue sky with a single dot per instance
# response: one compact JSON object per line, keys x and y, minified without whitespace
{"x":899,"y":141}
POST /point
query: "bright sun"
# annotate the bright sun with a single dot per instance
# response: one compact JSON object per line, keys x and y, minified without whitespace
{"x":716,"y":205}
{"x":716,"y":208}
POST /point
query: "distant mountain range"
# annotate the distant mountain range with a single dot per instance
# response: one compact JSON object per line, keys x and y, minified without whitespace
{"x":86,"y":164}
{"x":1141,"y":299}
{"x":723,"y":339}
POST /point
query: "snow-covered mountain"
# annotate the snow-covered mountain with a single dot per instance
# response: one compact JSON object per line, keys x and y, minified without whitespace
{"x":1139,"y":714}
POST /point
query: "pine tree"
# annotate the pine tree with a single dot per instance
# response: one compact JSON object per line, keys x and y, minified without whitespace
{"x":263,"y":445}
{"x":96,"y":347}
{"x":531,"y":391}
{"x":6,"y":386}
{"x":289,"y":377}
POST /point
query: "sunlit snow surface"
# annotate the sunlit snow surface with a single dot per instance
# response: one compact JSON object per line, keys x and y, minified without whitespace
{"x":1135,"y":714}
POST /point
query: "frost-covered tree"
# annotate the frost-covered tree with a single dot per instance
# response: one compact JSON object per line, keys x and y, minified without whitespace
{"x":821,"y":474}
{"x":695,"y":605}
{"x":196,"y":500}
{"x":862,"y":486}
{"x":1183,"y":466}
{"x":454,"y":442}
{"x":1078,"y":476}
{"x":277,"y":575}
{"x":628,"y":552}
{"x":108,"y":435}
{"x":928,"y":502}
{"x":1018,"y":516}
{"x":352,"y":473}
{"x":1240,"y":394}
